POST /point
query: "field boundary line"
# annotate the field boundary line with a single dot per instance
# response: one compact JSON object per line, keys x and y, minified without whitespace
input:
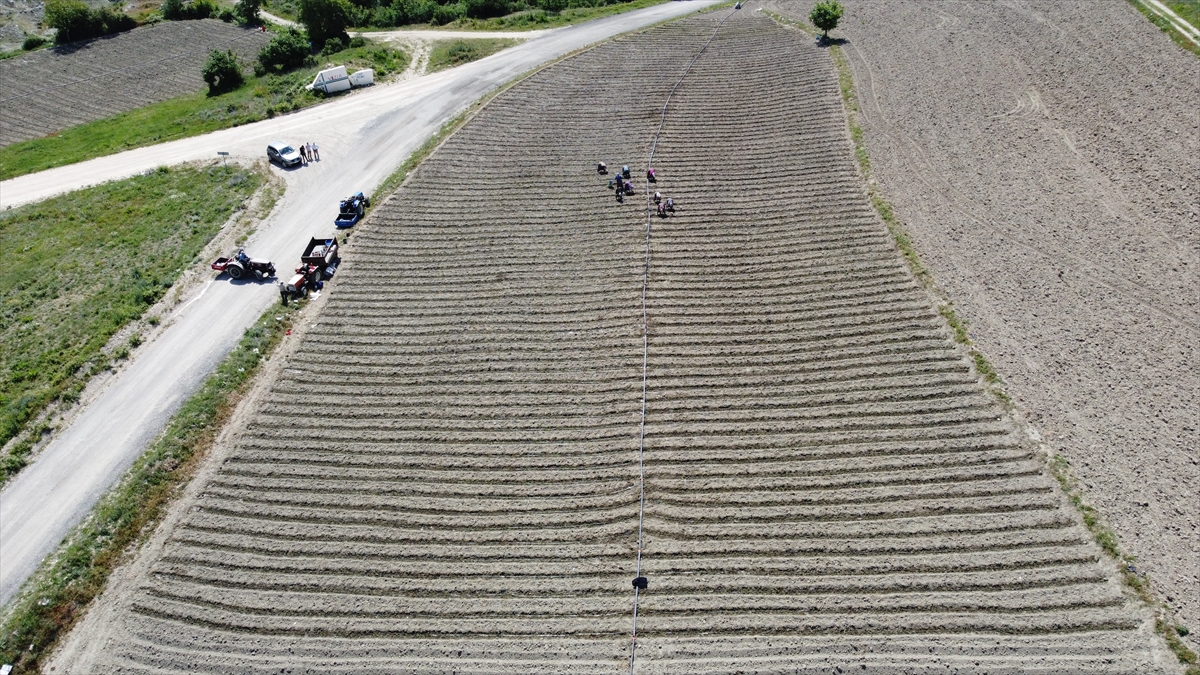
{"x":662,"y":121}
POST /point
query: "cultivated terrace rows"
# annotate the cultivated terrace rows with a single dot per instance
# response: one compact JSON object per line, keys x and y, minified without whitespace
{"x":52,"y":89}
{"x":445,"y":477}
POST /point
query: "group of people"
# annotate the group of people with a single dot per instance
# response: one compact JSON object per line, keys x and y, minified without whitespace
{"x":624,"y":187}
{"x":310,"y":153}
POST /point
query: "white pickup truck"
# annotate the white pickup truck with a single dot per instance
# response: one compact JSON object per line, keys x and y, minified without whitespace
{"x":333,"y":80}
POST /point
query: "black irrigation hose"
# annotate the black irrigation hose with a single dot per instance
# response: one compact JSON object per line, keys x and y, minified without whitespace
{"x":640,"y":583}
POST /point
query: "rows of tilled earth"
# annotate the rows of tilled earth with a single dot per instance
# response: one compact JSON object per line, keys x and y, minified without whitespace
{"x":445,"y":477}
{"x":50,"y":90}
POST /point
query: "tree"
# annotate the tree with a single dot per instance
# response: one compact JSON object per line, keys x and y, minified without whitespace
{"x":171,"y":10}
{"x":284,"y":52}
{"x":246,"y":12}
{"x":325,"y":20}
{"x":73,"y":21}
{"x":222,"y":72}
{"x":825,"y":16}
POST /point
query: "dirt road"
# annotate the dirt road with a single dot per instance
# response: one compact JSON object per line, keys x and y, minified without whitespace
{"x":445,"y":475}
{"x":362,"y":139}
{"x":1046,"y":159}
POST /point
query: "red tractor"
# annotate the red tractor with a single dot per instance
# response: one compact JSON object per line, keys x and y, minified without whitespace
{"x":243,"y":266}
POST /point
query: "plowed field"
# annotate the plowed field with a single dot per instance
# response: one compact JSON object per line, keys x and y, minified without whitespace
{"x":1046,"y":158}
{"x":52,"y":89}
{"x":446,"y":475}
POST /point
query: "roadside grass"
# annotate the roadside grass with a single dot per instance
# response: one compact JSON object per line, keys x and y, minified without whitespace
{"x":83,"y":265}
{"x":449,"y":53}
{"x":1059,"y":468}
{"x":54,"y":599}
{"x":192,"y":115}
{"x":1188,"y":10}
{"x":535,"y":19}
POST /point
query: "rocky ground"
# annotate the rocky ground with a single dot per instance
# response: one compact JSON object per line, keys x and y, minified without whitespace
{"x":1045,"y":157}
{"x":446,"y":474}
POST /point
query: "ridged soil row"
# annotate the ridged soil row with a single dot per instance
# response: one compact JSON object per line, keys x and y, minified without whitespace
{"x":446,"y":468}
{"x":52,"y":89}
{"x":445,"y":477}
{"x":820,"y":459}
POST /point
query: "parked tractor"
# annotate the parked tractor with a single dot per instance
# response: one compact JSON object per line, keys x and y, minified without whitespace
{"x":243,"y":266}
{"x":318,"y":263}
{"x":351,"y":210}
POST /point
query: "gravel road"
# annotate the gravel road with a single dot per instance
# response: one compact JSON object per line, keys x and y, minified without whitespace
{"x":444,"y":477}
{"x":1046,"y":159}
{"x":363,"y":138}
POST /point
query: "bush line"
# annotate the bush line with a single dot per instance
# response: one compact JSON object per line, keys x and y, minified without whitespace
{"x":54,"y":599}
{"x":1058,"y":465}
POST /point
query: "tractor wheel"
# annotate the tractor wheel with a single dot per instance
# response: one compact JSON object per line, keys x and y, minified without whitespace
{"x":235,"y":271}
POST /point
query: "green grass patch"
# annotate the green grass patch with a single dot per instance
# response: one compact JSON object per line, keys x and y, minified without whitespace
{"x":535,"y":19}
{"x":192,"y":115}
{"x":1189,"y":10}
{"x":450,"y":53}
{"x":57,"y":595}
{"x":81,"y":266}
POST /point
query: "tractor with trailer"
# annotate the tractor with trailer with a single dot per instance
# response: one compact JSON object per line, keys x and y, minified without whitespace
{"x":351,"y":210}
{"x":318,"y":263}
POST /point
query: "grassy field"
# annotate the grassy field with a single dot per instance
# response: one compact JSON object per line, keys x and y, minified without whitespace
{"x":81,"y":266}
{"x":69,"y":580}
{"x":450,"y":53}
{"x":191,"y":115}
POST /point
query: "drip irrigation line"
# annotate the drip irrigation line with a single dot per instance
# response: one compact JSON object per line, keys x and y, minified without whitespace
{"x":662,"y":121}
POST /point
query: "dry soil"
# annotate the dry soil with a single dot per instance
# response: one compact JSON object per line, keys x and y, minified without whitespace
{"x":445,"y":476}
{"x":1045,"y":157}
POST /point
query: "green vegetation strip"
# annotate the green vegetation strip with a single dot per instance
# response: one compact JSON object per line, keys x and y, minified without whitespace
{"x":450,"y":53}
{"x":1059,"y":468}
{"x":79,"y":267}
{"x":56,"y":596}
{"x":192,"y":115}
{"x":535,"y":19}
{"x":1188,"y":11}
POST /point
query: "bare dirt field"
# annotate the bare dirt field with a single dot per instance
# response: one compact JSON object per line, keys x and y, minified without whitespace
{"x":52,"y":89}
{"x":1045,"y":157}
{"x":445,"y":475}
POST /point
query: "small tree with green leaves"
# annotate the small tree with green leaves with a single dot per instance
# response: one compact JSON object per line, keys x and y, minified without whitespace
{"x":325,"y":20}
{"x":286,"y":50}
{"x":222,"y":72}
{"x":247,"y":12}
{"x":825,"y":16}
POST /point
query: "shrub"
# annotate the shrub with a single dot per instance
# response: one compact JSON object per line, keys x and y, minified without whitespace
{"x":825,"y":16}
{"x":325,"y":20}
{"x":226,"y":15}
{"x":552,"y":6}
{"x":33,"y":42}
{"x":246,"y":12}
{"x":222,"y":72}
{"x":172,"y":10}
{"x":444,"y":14}
{"x":486,"y":9}
{"x":284,"y":52}
{"x":73,"y":21}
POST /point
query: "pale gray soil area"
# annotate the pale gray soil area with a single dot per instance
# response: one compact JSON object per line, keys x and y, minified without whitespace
{"x":51,"y":89}
{"x":444,"y":475}
{"x":1045,"y":157}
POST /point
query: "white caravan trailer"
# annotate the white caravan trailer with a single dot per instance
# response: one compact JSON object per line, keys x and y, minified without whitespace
{"x":335,"y":79}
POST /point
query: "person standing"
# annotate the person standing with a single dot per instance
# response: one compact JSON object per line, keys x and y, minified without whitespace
{"x":303,"y":153}
{"x":315,"y":152}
